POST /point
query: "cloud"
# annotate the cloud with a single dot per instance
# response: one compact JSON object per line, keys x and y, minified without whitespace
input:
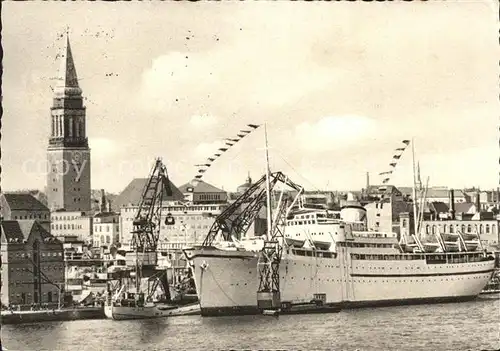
{"x":248,"y":70}
{"x":203,"y":120}
{"x":174,"y":78}
{"x":334,"y":132}
{"x":478,"y":165}
{"x":102,"y":147}
{"x":208,"y":149}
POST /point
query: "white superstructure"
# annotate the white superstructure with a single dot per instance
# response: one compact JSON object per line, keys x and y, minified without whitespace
{"x":333,"y":260}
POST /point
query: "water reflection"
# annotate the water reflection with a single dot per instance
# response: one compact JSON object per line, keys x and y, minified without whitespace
{"x":471,"y":325}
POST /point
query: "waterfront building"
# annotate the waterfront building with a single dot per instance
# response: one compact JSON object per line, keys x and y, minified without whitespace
{"x":32,"y":264}
{"x":128,"y":201}
{"x":68,"y":153}
{"x":73,"y":247}
{"x":192,"y":208}
{"x":106,"y":229}
{"x":200,"y":192}
{"x":72,"y":223}
{"x":24,"y":206}
{"x":484,"y":200}
{"x":377,"y":192}
{"x":442,"y":194}
{"x":489,"y":199}
{"x":383,"y":214}
{"x":437,"y":194}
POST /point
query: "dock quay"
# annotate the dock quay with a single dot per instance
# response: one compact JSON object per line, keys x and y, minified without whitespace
{"x":51,"y":315}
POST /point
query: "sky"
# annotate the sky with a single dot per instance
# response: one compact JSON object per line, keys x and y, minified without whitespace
{"x":338,"y":85}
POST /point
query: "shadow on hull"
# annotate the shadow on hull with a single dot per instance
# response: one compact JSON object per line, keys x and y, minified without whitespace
{"x":332,"y":308}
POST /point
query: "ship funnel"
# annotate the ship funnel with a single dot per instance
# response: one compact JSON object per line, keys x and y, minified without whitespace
{"x":353,"y":213}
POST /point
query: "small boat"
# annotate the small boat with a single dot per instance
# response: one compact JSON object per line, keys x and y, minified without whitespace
{"x":492,"y":289}
{"x":149,"y":310}
{"x":271,"y":312}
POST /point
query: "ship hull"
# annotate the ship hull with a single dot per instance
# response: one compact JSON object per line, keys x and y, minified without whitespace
{"x":227,"y":282}
{"x":65,"y":314}
{"x":157,"y":311}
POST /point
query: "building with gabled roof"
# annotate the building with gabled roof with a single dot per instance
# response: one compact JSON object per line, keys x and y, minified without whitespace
{"x":379,"y":190}
{"x":442,"y":194}
{"x":24,"y":206}
{"x":200,"y":192}
{"x":32,"y":264}
{"x":465,"y":207}
{"x":132,"y":194}
{"x":192,"y":219}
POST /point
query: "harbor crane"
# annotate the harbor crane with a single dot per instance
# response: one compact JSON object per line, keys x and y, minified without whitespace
{"x":146,"y":231}
{"x":147,"y":221}
{"x":235,"y":221}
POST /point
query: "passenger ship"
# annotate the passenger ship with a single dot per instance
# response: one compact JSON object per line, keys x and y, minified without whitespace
{"x":331,"y":259}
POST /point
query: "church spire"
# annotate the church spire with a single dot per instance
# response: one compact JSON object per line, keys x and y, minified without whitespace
{"x":67,"y":80}
{"x":68,"y":111}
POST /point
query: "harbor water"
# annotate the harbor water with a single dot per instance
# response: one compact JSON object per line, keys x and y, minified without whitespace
{"x":456,"y":326}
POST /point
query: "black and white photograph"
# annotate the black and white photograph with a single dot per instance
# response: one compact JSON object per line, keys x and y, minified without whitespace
{"x":250,"y":175}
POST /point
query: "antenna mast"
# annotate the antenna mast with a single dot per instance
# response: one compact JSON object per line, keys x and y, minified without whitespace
{"x":268,"y":190}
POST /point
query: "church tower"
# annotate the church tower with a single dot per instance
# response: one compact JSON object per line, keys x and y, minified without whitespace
{"x":68,"y":154}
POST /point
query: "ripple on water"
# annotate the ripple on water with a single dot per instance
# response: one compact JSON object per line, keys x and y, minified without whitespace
{"x":464,"y":326}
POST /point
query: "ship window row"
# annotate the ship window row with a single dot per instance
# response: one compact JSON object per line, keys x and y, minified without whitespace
{"x":356,"y":244}
{"x":371,"y":235}
{"x":385,"y":257}
{"x":430,"y":258}
{"x":395,"y":280}
{"x":300,"y":222}
{"x":469,"y":228}
{"x":315,"y":253}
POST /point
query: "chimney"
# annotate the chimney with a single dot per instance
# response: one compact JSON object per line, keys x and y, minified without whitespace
{"x":452,"y":203}
{"x":478,"y":202}
{"x":367,"y":181}
{"x":102,"y":207}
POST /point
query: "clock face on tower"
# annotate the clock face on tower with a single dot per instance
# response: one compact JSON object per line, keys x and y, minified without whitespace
{"x":77,"y":157}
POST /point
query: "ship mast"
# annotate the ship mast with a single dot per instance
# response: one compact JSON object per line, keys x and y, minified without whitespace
{"x":268,"y":190}
{"x":415,"y":219}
